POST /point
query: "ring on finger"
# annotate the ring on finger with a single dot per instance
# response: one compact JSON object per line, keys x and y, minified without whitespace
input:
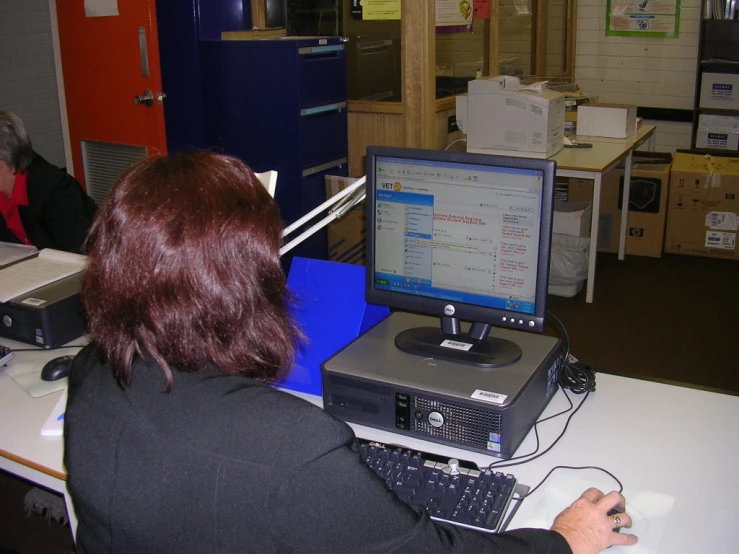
{"x":616,"y":520}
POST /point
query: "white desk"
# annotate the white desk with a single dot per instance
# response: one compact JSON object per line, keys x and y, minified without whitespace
{"x":593,"y":163}
{"x":662,"y":438}
{"x":654,"y":437}
{"x":23,"y":451}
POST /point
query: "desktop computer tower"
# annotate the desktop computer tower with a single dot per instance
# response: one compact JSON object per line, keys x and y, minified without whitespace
{"x":371,"y":382}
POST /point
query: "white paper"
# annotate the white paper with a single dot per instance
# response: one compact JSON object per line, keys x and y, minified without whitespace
{"x":54,"y":424}
{"x":101,"y":8}
{"x":11,"y":252}
{"x":49,"y":266}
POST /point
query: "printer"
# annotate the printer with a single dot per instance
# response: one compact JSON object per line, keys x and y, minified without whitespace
{"x":501,"y":116}
{"x":48,"y":316}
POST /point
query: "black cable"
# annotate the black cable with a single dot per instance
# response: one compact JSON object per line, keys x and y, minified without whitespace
{"x":577,"y":377}
{"x":531,"y":491}
{"x":573,"y":375}
{"x":534,"y":455}
{"x":79,"y":346}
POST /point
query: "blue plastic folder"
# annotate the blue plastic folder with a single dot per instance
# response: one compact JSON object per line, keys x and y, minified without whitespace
{"x":329,"y":305}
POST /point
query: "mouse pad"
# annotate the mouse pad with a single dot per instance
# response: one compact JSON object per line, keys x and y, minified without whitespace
{"x":27,"y":373}
{"x":649,"y":510}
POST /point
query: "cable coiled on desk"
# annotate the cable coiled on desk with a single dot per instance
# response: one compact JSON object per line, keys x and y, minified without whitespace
{"x":573,"y":374}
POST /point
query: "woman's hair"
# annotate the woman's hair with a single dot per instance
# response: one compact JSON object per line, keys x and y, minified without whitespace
{"x":15,"y":146}
{"x":184,"y":267}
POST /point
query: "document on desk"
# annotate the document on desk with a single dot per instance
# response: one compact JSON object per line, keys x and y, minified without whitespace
{"x":54,"y":424}
{"x":49,"y":266}
{"x":10,"y":252}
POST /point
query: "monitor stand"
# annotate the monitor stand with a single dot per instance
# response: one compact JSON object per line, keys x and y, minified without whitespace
{"x":449,"y":343}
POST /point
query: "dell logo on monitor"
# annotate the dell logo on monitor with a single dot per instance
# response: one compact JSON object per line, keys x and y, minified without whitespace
{"x":449,"y":309}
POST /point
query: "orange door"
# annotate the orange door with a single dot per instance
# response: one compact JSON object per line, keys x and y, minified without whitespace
{"x":107,"y":62}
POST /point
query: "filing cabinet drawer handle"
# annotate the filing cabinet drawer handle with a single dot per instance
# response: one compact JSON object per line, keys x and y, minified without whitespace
{"x":311,"y":50}
{"x":322,"y":109}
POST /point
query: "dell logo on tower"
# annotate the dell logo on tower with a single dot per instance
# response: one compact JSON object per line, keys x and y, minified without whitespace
{"x":449,"y":309}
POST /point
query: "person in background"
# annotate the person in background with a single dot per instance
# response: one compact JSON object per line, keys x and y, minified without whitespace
{"x":174,"y":439}
{"x":40,"y":204}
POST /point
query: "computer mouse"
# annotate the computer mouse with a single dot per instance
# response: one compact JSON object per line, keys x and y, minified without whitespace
{"x":57,"y":368}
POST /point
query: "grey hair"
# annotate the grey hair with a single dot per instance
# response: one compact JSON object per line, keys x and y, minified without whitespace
{"x":15,"y":146}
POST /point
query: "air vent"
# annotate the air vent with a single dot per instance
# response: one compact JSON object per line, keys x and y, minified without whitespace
{"x":462,"y":424}
{"x":104,"y":162}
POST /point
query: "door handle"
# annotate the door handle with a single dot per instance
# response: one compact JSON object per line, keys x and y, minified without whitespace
{"x":146,"y":99}
{"x":160,"y":97}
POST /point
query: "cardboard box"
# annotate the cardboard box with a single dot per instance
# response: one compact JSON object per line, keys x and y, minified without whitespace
{"x":718,"y":132}
{"x":703,"y":209}
{"x":347,"y":235}
{"x":648,"y":194}
{"x":572,"y":103}
{"x":606,"y":120}
{"x":648,"y":197}
{"x":509,"y":121}
{"x":572,"y":218}
{"x":719,"y":90}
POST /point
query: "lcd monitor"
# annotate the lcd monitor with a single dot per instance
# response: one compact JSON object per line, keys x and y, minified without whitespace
{"x":465,"y":237}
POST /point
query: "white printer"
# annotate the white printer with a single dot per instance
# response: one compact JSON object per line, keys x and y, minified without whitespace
{"x":502,"y":116}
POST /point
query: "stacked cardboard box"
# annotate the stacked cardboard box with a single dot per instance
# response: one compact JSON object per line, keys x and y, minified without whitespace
{"x":648,"y":193}
{"x":703,"y":211}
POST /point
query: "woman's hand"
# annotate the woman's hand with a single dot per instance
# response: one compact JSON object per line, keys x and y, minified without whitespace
{"x":588,"y":528}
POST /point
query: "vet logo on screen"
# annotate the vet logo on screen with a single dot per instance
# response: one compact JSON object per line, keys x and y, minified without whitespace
{"x":392,"y":186}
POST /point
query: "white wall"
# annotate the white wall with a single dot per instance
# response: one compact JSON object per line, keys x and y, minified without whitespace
{"x":28,"y":85}
{"x":648,"y":72}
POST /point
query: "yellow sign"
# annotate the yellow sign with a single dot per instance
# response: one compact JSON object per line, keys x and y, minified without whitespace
{"x":378,"y":9}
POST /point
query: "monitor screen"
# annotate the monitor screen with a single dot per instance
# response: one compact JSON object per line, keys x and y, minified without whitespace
{"x":465,"y":237}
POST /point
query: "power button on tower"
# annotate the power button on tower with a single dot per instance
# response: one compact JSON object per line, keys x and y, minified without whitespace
{"x":7,"y":320}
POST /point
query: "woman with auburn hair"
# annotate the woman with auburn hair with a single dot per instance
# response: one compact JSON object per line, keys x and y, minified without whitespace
{"x":174,"y":440}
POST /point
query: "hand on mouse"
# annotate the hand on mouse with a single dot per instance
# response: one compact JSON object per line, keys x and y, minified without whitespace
{"x":587,"y":527}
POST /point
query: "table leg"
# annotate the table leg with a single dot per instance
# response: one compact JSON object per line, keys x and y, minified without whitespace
{"x":625,"y":206}
{"x":597,"y":179}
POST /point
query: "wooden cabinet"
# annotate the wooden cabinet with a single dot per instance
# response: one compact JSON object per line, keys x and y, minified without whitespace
{"x":716,"y":104}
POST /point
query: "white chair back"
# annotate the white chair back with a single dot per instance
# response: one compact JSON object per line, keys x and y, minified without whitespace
{"x":269,"y":180}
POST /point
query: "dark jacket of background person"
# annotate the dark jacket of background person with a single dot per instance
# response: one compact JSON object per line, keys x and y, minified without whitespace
{"x":225,"y":463}
{"x":59,"y":211}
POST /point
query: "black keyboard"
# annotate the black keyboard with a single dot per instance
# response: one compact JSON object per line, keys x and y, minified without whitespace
{"x":451,"y":491}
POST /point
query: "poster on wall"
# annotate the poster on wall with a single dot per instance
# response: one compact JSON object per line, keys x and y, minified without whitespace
{"x":453,"y":12}
{"x":375,"y":10}
{"x":481,"y":9}
{"x":643,"y":18}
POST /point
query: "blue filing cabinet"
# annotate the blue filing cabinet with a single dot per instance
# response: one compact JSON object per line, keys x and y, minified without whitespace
{"x":281,"y":104}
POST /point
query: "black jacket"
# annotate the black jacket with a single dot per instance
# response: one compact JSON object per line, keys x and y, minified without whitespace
{"x":59,"y":211}
{"x":227,"y":464}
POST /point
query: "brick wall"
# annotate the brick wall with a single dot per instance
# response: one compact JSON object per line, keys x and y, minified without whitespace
{"x":28,"y":84}
{"x":650,"y":72}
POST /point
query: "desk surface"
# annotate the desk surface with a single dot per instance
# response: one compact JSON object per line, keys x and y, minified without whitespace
{"x":653,"y":437}
{"x":23,"y":416}
{"x":604,"y":153}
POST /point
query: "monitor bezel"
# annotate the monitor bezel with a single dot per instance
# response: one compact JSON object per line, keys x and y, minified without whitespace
{"x":464,"y":312}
